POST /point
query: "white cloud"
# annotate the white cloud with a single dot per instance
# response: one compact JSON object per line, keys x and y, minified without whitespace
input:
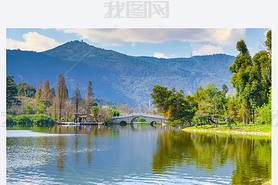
{"x":33,"y":41}
{"x":207,"y":50}
{"x":223,"y":36}
{"x":159,"y":55}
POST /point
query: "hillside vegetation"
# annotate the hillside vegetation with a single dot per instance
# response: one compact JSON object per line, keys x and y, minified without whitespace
{"x":117,"y":77}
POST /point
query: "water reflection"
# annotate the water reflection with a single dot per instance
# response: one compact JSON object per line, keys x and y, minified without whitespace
{"x":137,"y":153}
{"x":60,"y":153}
{"x":251,"y":158}
{"x":76,"y":148}
{"x":88,"y":143}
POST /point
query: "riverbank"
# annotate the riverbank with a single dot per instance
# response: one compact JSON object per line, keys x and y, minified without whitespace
{"x":240,"y":129}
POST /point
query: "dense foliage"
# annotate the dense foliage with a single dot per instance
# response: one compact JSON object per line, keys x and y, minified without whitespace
{"x":173,"y":104}
{"x":23,"y":120}
{"x":115,"y":112}
{"x":252,"y":80}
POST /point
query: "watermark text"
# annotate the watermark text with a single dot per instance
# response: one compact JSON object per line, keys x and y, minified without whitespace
{"x":136,"y":9}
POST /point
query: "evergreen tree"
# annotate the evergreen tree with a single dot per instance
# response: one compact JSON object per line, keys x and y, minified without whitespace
{"x":38,"y":93}
{"x":62,"y":94}
{"x":89,"y":100}
{"x":51,"y":96}
{"x":25,"y":89}
{"x":11,"y":92}
{"x":162,"y":98}
{"x":76,"y":98}
{"x":262,"y":60}
{"x":45,"y":94}
{"x":241,"y":68}
{"x":268,"y":41}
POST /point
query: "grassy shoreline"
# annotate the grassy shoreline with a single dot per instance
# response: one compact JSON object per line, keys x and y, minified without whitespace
{"x":239,"y":129}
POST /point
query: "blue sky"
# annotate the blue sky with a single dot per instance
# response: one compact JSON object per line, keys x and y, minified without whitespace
{"x":160,"y":42}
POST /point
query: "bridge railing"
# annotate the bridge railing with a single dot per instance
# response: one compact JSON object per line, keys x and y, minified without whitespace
{"x":140,"y":115}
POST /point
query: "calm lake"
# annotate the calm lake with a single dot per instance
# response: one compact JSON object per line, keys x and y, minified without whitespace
{"x":137,"y":154}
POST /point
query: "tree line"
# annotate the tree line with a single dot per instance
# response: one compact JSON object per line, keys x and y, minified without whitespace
{"x":252,"y":102}
{"x":27,"y":106}
{"x":57,"y":104}
{"x":24,"y":103}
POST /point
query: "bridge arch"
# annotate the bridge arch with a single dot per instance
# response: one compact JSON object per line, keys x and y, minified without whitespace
{"x":123,"y":123}
{"x":134,"y":118}
{"x":131,"y":117}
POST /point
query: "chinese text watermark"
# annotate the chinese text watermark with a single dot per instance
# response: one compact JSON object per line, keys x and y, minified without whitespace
{"x":136,"y":9}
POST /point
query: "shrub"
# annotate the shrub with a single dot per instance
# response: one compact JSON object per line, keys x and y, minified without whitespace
{"x":40,"y":108}
{"x":94,"y":109}
{"x":23,"y":120}
{"x":264,"y":114}
{"x":29,"y":109}
{"x":41,"y":120}
{"x":10,"y":121}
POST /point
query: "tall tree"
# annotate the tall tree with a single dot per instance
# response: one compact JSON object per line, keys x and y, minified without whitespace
{"x":262,"y":61}
{"x":212,"y":104}
{"x":51,"y":96}
{"x":76,"y":98}
{"x":89,"y":100}
{"x":268,"y":41}
{"x":38,"y":93}
{"x":62,"y":94}
{"x":45,"y":94}
{"x":11,"y":92}
{"x":233,"y":109}
{"x":162,"y":97}
{"x":260,"y":77}
{"x":173,"y":104}
{"x":241,"y":68}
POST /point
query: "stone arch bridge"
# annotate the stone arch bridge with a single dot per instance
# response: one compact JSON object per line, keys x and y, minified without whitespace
{"x":129,"y":118}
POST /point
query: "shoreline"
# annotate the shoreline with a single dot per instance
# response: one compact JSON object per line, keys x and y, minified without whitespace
{"x":229,"y":132}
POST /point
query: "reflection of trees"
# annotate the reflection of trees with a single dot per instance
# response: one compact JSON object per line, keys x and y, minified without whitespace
{"x":100,"y":130}
{"x":252,"y":157}
{"x":253,"y":162}
{"x":60,"y":153}
{"x":88,"y":143}
{"x":93,"y":130}
{"x":43,"y":144}
{"x":76,"y":144}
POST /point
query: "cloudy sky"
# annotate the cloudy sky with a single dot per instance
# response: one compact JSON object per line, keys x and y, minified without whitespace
{"x":161,"y":43}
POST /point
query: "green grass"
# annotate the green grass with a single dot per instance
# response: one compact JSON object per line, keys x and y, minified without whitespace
{"x":256,"y":127}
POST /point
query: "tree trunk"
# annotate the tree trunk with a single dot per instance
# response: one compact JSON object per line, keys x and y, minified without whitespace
{"x":253,"y":115}
{"x":60,"y":111}
{"x":247,"y":119}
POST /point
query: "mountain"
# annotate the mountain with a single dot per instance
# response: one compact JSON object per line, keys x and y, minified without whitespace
{"x":115,"y":76}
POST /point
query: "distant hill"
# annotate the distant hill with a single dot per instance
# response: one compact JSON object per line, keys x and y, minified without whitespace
{"x":117,"y":77}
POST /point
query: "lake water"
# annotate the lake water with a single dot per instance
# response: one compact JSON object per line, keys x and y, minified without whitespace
{"x":137,"y":154}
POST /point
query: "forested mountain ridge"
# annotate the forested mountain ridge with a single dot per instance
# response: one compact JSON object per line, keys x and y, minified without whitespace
{"x":116,"y":76}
